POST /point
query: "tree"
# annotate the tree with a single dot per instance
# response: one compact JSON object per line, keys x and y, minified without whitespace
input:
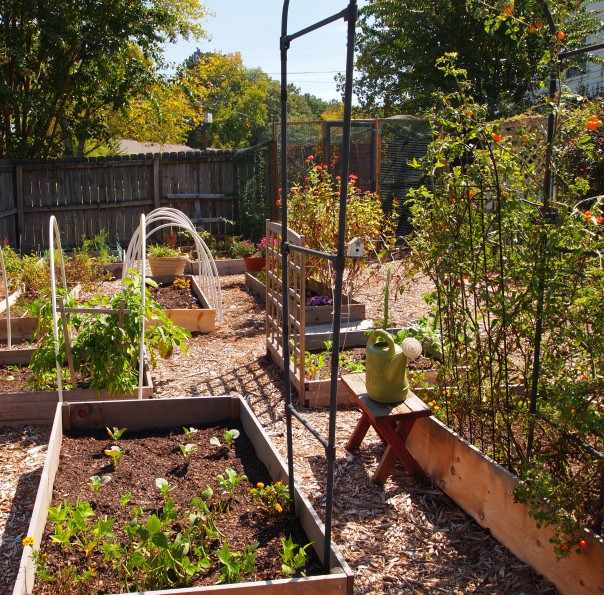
{"x":503,"y":47}
{"x":67,"y":65}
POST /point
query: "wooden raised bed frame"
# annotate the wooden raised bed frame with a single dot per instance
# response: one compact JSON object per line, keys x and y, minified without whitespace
{"x":485,"y":491}
{"x":201,"y":320}
{"x":138,"y":415}
{"x":39,"y":407}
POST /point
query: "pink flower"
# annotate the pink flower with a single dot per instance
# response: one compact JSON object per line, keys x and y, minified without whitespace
{"x":310,"y":158}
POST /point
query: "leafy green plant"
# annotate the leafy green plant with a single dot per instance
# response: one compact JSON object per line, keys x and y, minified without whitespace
{"x":293,"y":557}
{"x":229,"y":482}
{"x":274,"y":497}
{"x":163,"y":251}
{"x":242,"y":248}
{"x":188,"y":450}
{"x":189,"y":433}
{"x":164,"y":487}
{"x":105,"y":347}
{"x":115,"y":453}
{"x":98,"y":481}
{"x":116,"y":433}
{"x":235,"y":564}
{"x":316,"y":198}
{"x":229,"y":438}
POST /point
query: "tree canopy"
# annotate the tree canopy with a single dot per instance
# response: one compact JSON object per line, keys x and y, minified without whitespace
{"x":66,"y":66}
{"x":504,"y":47}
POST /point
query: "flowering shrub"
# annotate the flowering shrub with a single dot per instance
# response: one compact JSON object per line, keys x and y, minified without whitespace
{"x":313,"y":211}
{"x":494,"y":251}
{"x":319,"y":300}
{"x":242,"y":248}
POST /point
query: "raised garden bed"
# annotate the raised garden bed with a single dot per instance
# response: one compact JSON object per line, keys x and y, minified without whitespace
{"x":224,"y":266}
{"x":22,"y":406}
{"x":188,"y":308}
{"x":485,"y":491}
{"x":169,"y":413}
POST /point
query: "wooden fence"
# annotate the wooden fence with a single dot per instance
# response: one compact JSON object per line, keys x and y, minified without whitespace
{"x":90,"y":195}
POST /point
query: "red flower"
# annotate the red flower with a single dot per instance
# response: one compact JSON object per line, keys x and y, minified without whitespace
{"x":353,"y":177}
{"x":310,"y":158}
{"x":278,"y":202}
{"x":561,"y":35}
{"x":583,"y":543}
{"x":496,"y":137}
{"x":599,"y":220}
{"x":318,"y":167}
{"x":338,"y":178}
{"x":307,"y":179}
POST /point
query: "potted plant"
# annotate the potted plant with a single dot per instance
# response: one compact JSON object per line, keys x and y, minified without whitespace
{"x":166,"y":261}
{"x":254,"y":255}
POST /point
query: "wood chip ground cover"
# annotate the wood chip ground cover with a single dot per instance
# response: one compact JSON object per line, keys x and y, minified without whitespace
{"x":403,"y":537}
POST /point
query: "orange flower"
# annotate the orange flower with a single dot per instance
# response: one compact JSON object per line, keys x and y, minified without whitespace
{"x":599,"y":220}
{"x":29,"y":540}
{"x":561,"y":35}
{"x":508,"y":10}
{"x":496,"y":137}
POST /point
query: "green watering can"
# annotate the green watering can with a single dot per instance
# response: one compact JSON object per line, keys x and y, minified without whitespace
{"x":386,"y":366}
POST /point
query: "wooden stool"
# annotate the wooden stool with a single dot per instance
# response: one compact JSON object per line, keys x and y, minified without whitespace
{"x":391,"y":421}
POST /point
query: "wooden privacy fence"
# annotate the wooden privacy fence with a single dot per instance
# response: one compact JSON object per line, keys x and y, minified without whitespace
{"x":110,"y":193}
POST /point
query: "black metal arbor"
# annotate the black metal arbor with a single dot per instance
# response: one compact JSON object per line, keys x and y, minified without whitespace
{"x":349,"y":14}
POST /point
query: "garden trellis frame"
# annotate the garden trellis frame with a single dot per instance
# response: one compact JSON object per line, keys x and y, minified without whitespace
{"x":349,"y":15}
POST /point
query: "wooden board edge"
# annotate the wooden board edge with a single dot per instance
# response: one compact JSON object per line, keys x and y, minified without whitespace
{"x":485,"y":491}
{"x":277,"y":467}
{"x":26,"y":574}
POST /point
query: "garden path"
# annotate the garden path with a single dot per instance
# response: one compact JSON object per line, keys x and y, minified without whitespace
{"x":403,"y":537}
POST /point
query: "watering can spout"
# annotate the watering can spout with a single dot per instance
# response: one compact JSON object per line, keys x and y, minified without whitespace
{"x":386,"y":366}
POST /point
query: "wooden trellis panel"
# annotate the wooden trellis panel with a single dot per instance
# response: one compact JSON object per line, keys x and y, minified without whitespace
{"x":296,"y":265}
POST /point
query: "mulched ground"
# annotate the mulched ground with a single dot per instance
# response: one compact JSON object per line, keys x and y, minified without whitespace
{"x":151,"y":455}
{"x":403,"y":537}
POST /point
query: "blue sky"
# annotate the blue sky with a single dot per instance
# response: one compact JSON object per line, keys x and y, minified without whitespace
{"x":253,"y":28}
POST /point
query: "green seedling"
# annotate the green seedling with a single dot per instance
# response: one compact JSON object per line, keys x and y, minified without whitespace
{"x":116,"y":453}
{"x":189,"y":433}
{"x":236,"y":563}
{"x":125,"y":498}
{"x":96,"y":482}
{"x":229,"y":437}
{"x":230,"y":482}
{"x":188,"y":450}
{"x":164,"y":487}
{"x":116,"y":433}
{"x":293,"y":560}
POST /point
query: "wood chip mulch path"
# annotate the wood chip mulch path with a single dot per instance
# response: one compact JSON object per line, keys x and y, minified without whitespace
{"x":403,"y":537}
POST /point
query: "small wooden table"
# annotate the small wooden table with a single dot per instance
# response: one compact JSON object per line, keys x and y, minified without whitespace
{"x":392,"y":422}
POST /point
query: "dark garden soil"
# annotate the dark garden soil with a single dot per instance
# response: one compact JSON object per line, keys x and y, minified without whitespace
{"x":172,"y":298}
{"x":153,"y":454}
{"x":13,"y":379}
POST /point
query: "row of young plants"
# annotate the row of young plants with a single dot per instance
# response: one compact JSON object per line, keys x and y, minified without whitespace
{"x":169,"y":547}
{"x":519,"y":294}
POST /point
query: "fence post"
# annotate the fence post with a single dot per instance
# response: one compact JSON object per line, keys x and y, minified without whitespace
{"x":273,"y":180}
{"x":156,"y":186}
{"x":19,"y":205}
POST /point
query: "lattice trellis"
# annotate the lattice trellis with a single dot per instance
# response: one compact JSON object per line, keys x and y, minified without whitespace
{"x":296,"y":263}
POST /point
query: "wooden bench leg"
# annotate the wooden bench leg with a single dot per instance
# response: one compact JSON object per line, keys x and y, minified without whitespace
{"x":359,"y":433}
{"x":396,"y":449}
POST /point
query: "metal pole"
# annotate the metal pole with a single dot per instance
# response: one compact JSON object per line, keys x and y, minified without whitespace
{"x":284,"y":46}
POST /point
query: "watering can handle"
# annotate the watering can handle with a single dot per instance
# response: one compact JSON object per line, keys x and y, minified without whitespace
{"x":385,"y":336}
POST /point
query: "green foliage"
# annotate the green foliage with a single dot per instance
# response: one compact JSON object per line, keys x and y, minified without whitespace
{"x":319,"y":363}
{"x":229,"y":438}
{"x":188,"y":450}
{"x":116,"y":433}
{"x":116,"y":454}
{"x":235,"y":564}
{"x":498,"y":44}
{"x":162,"y":251}
{"x":188,"y":432}
{"x":98,"y":481}
{"x":486,"y":238}
{"x":242,"y":248}
{"x":229,"y":482}
{"x":293,"y":560}
{"x":105,"y":352}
